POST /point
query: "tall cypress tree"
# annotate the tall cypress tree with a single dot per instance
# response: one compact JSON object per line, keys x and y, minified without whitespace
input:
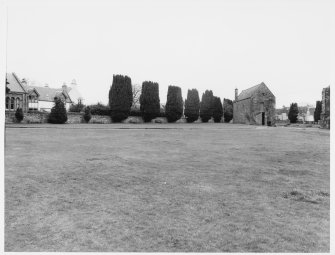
{"x":217,"y":109}
{"x":58,"y":113}
{"x":149,"y":100}
{"x":293,"y":113}
{"x":206,"y":106}
{"x":317,"y":111}
{"x":174,"y":104}
{"x":120,"y":97}
{"x":227,"y":110}
{"x":192,"y":106}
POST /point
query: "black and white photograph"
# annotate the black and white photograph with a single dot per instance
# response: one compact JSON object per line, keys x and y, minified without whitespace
{"x":198,"y":126}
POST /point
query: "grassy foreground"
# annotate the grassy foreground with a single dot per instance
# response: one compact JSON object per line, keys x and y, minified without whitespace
{"x":170,"y":187}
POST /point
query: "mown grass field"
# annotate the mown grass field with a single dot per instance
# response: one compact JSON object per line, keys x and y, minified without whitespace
{"x":169,"y":187}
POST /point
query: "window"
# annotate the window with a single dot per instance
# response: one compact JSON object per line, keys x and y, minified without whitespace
{"x":18,"y":105}
{"x":7,"y":102}
{"x":12,"y":101}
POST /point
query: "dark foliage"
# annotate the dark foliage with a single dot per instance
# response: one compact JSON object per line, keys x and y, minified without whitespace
{"x":293,"y":113}
{"x":19,"y":115}
{"x":227,"y":110}
{"x":217,"y":109}
{"x":58,"y":113}
{"x":317,"y":112}
{"x":99,"y":109}
{"x":135,"y":112}
{"x":120,"y":98}
{"x":174,"y":104}
{"x":87,"y":114}
{"x":77,"y":107}
{"x":206,"y":106}
{"x":149,"y":100}
{"x":192,"y":106}
{"x":7,"y":89}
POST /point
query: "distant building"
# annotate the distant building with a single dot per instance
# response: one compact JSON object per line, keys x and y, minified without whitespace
{"x":38,"y":98}
{"x":17,"y":96}
{"x":256,"y":105}
{"x":309,"y":117}
{"x":282,"y":116}
{"x":45,"y":97}
{"x":325,"y":112}
{"x":74,"y":93}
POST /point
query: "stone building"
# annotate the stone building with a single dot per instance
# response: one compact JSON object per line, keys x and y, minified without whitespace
{"x":255,"y":106}
{"x":17,"y":96}
{"x":46,"y":97}
{"x":325,"y":111}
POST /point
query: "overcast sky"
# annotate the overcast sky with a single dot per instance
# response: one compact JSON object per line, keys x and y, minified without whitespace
{"x":217,"y":45}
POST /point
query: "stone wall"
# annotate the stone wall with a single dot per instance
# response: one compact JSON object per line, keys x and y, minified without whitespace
{"x":325,"y":112}
{"x":77,"y":118}
{"x":41,"y":117}
{"x":241,"y":112}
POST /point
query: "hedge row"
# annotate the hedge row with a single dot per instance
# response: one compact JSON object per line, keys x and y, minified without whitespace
{"x":121,"y":100}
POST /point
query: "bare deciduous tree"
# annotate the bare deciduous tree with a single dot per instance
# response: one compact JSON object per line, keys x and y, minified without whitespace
{"x":137,"y":89}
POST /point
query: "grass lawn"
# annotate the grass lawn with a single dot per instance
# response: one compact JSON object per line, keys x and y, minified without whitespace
{"x":166,"y":187}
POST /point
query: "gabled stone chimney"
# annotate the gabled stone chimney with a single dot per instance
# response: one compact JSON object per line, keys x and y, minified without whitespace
{"x":236,"y":94}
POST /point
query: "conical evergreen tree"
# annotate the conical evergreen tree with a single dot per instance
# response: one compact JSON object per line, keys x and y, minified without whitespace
{"x":149,"y":100}
{"x":87,"y":114}
{"x":227,"y":110}
{"x":174,"y":104}
{"x":206,"y":106}
{"x":19,"y":115}
{"x":58,"y":113}
{"x":192,"y":106}
{"x":317,"y":111}
{"x":217,"y":109}
{"x":293,"y":113}
{"x":120,"y":97}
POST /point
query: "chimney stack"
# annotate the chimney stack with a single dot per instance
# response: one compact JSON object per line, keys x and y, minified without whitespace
{"x":24,"y":82}
{"x":236,"y":94}
{"x":64,"y":87}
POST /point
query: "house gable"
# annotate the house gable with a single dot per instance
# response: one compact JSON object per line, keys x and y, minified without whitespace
{"x":14,"y":84}
{"x":250,"y":92}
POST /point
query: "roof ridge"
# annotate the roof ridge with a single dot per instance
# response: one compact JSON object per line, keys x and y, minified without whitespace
{"x":254,"y":86}
{"x":19,"y":82}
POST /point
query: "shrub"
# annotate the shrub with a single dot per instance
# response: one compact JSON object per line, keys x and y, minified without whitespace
{"x":227,"y":110}
{"x":293,"y":113}
{"x":76,"y":107}
{"x":19,"y":115}
{"x":192,"y":106}
{"x":58,"y":113}
{"x":317,"y":112}
{"x":149,"y":100}
{"x":206,"y":106}
{"x":135,"y":112}
{"x":217,"y":109}
{"x":87,"y":114}
{"x":174,"y":104}
{"x":99,"y":109}
{"x":120,"y":97}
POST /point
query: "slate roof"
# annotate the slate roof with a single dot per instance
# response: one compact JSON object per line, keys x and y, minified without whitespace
{"x":48,"y":94}
{"x":247,"y":93}
{"x":14,"y":83}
